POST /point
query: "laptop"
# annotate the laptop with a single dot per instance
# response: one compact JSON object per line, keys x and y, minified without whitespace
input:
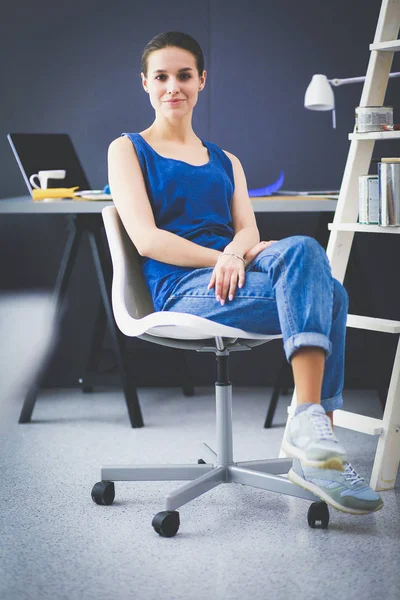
{"x":47,"y":151}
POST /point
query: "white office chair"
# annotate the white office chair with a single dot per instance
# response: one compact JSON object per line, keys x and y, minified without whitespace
{"x":135,"y":316}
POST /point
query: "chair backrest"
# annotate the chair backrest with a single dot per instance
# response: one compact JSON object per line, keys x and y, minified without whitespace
{"x":128,"y":281}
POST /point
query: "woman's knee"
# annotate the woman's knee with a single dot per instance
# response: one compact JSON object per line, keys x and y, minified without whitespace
{"x":311,"y":245}
{"x":307,"y":247}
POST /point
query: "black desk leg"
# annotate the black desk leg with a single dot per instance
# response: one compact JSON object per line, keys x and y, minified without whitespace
{"x":182,"y":366}
{"x":132,"y":401}
{"x":63,"y":277}
{"x":99,"y":332}
{"x":276,"y":393}
{"x":183,"y":370}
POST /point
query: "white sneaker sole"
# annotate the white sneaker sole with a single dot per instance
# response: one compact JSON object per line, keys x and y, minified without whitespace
{"x":317,"y":491}
{"x":332,"y":462}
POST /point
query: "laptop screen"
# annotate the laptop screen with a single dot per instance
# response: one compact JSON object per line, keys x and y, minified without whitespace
{"x":47,"y":151}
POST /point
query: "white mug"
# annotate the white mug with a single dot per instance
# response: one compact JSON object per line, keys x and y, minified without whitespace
{"x":44,"y":177}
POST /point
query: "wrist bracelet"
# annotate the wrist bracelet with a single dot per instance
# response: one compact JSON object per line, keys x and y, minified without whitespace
{"x":232,"y":254}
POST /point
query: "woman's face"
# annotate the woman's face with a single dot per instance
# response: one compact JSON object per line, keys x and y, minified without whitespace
{"x":173,"y":81}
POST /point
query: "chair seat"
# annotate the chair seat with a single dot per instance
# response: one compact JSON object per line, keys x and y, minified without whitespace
{"x":184,"y":326}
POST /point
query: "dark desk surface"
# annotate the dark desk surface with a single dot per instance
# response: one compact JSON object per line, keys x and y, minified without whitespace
{"x":25,"y":205}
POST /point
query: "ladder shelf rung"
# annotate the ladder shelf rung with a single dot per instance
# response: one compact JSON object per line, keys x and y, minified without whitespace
{"x":373,"y":324}
{"x":375,"y":135}
{"x":360,"y":227}
{"x":357,"y":422}
{"x":391,"y":46}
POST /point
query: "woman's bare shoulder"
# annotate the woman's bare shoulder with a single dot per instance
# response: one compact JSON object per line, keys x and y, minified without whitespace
{"x":228,"y":153}
{"x":120,"y":142}
{"x":234,"y":159}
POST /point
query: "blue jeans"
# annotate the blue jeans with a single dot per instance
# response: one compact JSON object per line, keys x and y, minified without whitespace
{"x":289,"y":289}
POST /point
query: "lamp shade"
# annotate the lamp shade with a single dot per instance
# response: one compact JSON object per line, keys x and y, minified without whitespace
{"x":319,"y":94}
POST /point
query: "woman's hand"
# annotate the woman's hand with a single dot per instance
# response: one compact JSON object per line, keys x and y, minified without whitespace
{"x":255,"y":251}
{"x":227,"y":275}
{"x":229,"y":272}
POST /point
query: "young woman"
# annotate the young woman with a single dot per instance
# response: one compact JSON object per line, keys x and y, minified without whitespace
{"x":185,"y":205}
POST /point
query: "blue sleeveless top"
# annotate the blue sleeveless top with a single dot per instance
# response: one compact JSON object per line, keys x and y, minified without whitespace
{"x":193,"y":202}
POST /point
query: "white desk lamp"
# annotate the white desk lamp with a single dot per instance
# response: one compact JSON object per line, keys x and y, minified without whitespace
{"x":319,"y":94}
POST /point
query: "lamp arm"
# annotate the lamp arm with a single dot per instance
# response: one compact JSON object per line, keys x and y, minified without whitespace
{"x":337,"y":82}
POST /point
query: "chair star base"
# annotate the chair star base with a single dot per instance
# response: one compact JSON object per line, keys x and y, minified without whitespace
{"x":264,"y":474}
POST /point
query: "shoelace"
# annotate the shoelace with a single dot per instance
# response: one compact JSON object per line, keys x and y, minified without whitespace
{"x":323,"y":427}
{"x":350,"y":475}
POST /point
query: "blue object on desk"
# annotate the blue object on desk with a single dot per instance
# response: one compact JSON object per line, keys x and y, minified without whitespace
{"x":107,"y":189}
{"x":269,"y":189}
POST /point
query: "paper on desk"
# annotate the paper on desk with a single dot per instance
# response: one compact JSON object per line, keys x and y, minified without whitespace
{"x":92,"y":195}
{"x":308,"y":193}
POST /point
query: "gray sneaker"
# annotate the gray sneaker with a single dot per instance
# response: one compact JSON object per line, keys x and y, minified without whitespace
{"x":344,"y":490}
{"x":310,"y":438}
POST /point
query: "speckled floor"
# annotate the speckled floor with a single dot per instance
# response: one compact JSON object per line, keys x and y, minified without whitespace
{"x":234,"y":542}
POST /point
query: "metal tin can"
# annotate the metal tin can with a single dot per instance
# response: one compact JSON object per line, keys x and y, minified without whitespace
{"x":368,"y":199}
{"x":389,"y":194}
{"x":371,"y":118}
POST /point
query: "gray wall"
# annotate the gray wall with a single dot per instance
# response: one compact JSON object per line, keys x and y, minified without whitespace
{"x":75,"y":68}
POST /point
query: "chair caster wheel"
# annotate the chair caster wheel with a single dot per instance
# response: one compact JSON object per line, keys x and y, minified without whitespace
{"x":166,"y":523}
{"x":318,"y":512}
{"x":103,"y":492}
{"x":201,"y":462}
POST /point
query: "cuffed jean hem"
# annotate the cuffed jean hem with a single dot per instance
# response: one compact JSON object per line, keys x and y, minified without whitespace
{"x":307,"y":338}
{"x":334,"y":403}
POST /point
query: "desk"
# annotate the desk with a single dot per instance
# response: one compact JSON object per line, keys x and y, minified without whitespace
{"x":85,"y":216}
{"x":25,"y":205}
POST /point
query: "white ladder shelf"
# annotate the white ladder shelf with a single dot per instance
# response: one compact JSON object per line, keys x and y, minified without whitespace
{"x":344,"y":226}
